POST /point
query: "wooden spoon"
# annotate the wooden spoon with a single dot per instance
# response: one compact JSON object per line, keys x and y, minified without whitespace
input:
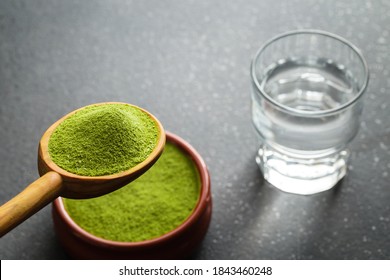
{"x":56,"y":181}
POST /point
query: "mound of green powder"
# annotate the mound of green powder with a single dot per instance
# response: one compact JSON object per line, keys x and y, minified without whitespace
{"x":154,"y":204}
{"x":103,"y":139}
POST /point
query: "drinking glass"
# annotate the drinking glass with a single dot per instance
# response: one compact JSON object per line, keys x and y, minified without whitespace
{"x":306,"y":103}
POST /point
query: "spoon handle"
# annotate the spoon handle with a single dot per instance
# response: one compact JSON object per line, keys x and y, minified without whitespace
{"x":33,"y":198}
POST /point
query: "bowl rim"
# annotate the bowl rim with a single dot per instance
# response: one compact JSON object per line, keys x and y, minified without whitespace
{"x":195,"y":215}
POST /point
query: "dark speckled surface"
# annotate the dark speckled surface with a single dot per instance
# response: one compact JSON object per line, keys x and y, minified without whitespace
{"x":188,"y":63}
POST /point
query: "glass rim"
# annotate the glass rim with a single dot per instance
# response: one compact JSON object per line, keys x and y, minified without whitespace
{"x":303,"y":112}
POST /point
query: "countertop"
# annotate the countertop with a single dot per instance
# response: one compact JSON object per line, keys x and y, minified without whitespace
{"x":187,"y":62}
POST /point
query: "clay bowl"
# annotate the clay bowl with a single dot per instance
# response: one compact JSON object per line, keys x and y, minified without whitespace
{"x":177,"y":244}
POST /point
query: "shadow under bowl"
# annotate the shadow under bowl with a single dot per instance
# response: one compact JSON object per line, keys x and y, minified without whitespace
{"x":176,"y":244}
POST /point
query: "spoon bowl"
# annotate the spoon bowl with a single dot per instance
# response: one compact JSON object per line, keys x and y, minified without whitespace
{"x":56,"y":181}
{"x":78,"y":186}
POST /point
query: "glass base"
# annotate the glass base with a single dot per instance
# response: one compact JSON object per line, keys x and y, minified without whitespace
{"x":300,"y":175}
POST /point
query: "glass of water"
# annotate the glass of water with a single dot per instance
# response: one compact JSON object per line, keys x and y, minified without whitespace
{"x":306,"y":103}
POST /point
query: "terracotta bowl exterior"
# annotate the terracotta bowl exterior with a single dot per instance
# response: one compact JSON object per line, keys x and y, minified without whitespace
{"x":177,"y":244}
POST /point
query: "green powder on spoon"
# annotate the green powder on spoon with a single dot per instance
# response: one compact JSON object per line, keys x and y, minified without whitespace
{"x":103,"y":139}
{"x":154,"y":204}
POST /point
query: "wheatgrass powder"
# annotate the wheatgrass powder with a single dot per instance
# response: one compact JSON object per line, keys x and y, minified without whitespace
{"x":103,"y":139}
{"x":154,"y":204}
